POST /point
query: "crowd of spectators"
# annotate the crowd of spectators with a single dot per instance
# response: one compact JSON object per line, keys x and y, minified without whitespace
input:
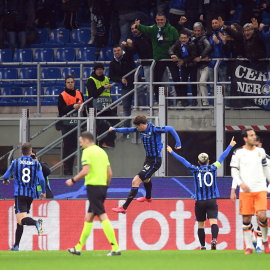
{"x":190,"y":32}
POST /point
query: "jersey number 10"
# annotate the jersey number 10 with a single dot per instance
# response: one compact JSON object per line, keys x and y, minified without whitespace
{"x":204,"y":179}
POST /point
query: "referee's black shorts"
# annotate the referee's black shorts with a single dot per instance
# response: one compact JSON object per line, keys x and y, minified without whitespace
{"x":206,"y":209}
{"x":150,"y":166}
{"x":96,"y":196}
{"x":22,"y":204}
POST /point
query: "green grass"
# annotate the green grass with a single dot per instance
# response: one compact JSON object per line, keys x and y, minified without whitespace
{"x":133,"y":260}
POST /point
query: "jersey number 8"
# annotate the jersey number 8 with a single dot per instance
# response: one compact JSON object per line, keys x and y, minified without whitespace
{"x":204,"y":179}
{"x":26,"y":175}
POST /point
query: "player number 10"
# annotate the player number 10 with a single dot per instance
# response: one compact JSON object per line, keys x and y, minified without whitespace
{"x":204,"y":179}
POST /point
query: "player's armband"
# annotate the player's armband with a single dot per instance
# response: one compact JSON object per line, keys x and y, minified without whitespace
{"x":217,"y":164}
{"x":264,"y":162}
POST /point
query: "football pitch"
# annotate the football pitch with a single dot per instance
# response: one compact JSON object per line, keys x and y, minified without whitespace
{"x":133,"y":260}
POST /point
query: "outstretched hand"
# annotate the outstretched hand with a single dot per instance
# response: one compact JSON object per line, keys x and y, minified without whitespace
{"x":6,"y":182}
{"x":179,"y":147}
{"x":111,"y":129}
{"x":221,"y":22}
{"x":169,"y":149}
{"x":233,"y":142}
{"x":183,"y":19}
{"x":137,"y":23}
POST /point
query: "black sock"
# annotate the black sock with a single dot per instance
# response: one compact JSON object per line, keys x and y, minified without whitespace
{"x":29,"y":221}
{"x":201,"y":234}
{"x":214,"y":230}
{"x":18,"y":234}
{"x":133,"y":192}
{"x":148,"y":188}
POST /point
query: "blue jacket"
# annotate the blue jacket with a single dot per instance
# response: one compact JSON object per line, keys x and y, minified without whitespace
{"x":217,"y":49}
{"x":265,"y":37}
{"x":177,"y":4}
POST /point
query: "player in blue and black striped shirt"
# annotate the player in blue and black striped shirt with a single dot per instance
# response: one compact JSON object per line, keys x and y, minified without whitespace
{"x":206,"y":191}
{"x":151,"y":137}
{"x":26,"y":171}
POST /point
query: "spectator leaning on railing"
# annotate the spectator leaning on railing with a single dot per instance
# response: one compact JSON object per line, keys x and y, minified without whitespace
{"x":184,"y":52}
{"x":163,"y":36}
{"x":203,"y":47}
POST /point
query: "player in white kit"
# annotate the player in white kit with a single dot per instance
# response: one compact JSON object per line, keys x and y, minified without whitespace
{"x":249,"y":170}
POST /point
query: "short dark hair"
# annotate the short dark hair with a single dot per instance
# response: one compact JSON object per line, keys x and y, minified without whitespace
{"x":184,"y":32}
{"x":259,"y":139}
{"x":140,"y":119}
{"x":161,"y":14}
{"x":87,"y":135}
{"x":26,"y":149}
{"x":69,"y":77}
{"x":116,"y":46}
{"x":245,"y":131}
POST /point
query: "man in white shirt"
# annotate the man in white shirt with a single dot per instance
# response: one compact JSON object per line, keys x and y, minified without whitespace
{"x":249,"y":170}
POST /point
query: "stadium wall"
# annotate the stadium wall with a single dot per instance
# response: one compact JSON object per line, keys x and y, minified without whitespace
{"x":161,"y":225}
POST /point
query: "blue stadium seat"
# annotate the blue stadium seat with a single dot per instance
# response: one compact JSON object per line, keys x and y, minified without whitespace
{"x":44,"y":55}
{"x":6,"y":55}
{"x":86,"y":54}
{"x":50,"y":73}
{"x":102,"y":56}
{"x":23,"y":55}
{"x":87,"y":72}
{"x":49,"y":101}
{"x":65,"y":55}
{"x":8,"y":100}
{"x":27,"y":73}
{"x":79,"y":38}
{"x":42,"y":37}
{"x":29,"y":101}
{"x":58,"y":38}
{"x":109,"y":53}
{"x":8,"y":74}
{"x":75,"y":72}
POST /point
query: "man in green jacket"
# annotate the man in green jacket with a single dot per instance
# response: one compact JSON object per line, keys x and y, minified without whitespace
{"x":163,"y":36}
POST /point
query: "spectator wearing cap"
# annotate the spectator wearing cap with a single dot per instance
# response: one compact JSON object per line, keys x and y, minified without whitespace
{"x":99,"y":88}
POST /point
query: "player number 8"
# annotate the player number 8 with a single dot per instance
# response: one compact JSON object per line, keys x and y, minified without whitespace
{"x":204,"y":179}
{"x":26,"y":175}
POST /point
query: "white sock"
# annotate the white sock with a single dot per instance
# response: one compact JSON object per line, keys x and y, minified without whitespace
{"x":248,"y":236}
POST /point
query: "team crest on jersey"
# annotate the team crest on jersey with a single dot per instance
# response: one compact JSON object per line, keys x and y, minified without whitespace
{"x":147,"y":135}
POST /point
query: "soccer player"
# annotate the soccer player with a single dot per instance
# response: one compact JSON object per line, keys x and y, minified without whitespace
{"x":151,"y":137}
{"x":206,"y":191}
{"x":249,"y":170}
{"x":26,"y":172}
{"x":97,"y":173}
{"x":256,"y":240}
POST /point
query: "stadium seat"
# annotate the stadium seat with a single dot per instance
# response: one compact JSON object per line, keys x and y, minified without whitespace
{"x":50,"y":73}
{"x":8,"y":74}
{"x":8,"y":100}
{"x":116,"y":89}
{"x":27,"y":73}
{"x":79,"y":38}
{"x":65,"y":55}
{"x":42,"y":37}
{"x":109,"y":53}
{"x":75,"y":72}
{"x":23,"y":55}
{"x":5,"y":55}
{"x":44,"y":55}
{"x":29,"y":101}
{"x":50,"y":101}
{"x":87,"y":72}
{"x":58,"y":38}
{"x":86,"y":54}
{"x":107,"y":72}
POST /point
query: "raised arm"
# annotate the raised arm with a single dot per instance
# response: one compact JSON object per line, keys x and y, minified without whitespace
{"x":170,"y":129}
{"x":123,"y":130}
